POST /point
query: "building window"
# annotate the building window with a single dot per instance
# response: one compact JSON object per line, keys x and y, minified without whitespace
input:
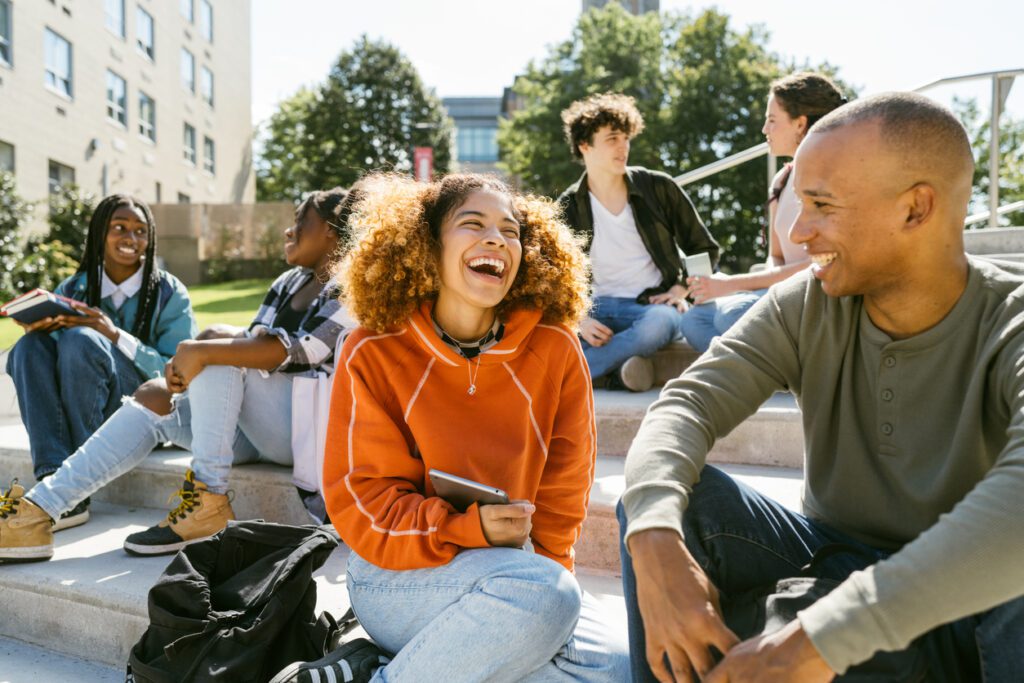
{"x":117,"y":99}
{"x":60,"y":176}
{"x":477,"y":143}
{"x":58,"y":63}
{"x":188,"y":70}
{"x":209,"y":156}
{"x":190,"y":144}
{"x":5,"y":32}
{"x":188,"y":10}
{"x":114,"y":10}
{"x":147,"y":116}
{"x":206,"y":19}
{"x":144,"y":33}
{"x":206,"y":85}
{"x":6,"y":157}
{"x":184,"y":198}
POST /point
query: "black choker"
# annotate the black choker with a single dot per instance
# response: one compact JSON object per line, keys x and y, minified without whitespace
{"x":471,"y":350}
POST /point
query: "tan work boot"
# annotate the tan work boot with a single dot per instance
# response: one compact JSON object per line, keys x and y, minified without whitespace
{"x":26,"y":533}
{"x":199,"y":515}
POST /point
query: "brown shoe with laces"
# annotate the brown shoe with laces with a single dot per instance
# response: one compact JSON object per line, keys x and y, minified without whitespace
{"x":199,"y":515}
{"x":26,"y":532}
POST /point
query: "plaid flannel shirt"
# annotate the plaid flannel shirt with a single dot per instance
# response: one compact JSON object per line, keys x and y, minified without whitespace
{"x":311,"y":347}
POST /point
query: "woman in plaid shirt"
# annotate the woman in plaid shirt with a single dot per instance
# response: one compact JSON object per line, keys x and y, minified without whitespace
{"x":226,"y":395}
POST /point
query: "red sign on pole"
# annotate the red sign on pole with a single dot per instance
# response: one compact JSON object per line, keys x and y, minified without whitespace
{"x":423,"y":163}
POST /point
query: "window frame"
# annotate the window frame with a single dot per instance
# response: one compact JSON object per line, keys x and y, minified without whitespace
{"x":206,"y":20}
{"x":113,"y":107}
{"x":148,"y":51}
{"x":145,"y":123}
{"x":205,"y":71}
{"x":188,"y":10}
{"x":50,"y":75}
{"x":55,"y":185}
{"x":189,"y":151}
{"x":14,"y":156}
{"x":209,"y":155}
{"x":189,"y":82}
{"x":119,"y":31}
{"x":7,"y":41}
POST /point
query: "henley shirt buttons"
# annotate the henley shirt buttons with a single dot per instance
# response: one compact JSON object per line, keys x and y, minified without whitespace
{"x":887,"y":429}
{"x":890,"y":362}
{"x":887,"y":395}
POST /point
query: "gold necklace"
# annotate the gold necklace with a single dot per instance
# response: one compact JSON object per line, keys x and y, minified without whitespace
{"x":472,"y":375}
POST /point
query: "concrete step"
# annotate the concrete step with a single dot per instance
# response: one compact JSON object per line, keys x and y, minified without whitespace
{"x":773,"y":436}
{"x":21,"y":662}
{"x":90,"y":599}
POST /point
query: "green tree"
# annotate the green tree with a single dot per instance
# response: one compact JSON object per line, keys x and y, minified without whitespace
{"x":13,"y":213}
{"x":1011,"y":158}
{"x":369,"y":114}
{"x":71,"y":208}
{"x":701,"y":86}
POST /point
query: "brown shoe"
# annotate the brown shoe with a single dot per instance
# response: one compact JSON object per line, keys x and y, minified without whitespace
{"x":199,"y":515}
{"x":637,"y":373}
{"x":26,"y":533}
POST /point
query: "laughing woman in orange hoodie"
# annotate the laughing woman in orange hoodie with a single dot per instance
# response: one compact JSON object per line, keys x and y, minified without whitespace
{"x":467,"y":361}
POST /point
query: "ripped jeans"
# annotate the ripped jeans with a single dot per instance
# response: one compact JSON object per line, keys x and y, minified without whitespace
{"x":228,"y":416}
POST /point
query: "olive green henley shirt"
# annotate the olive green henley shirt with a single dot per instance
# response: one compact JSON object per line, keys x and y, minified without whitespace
{"x":914,"y":445}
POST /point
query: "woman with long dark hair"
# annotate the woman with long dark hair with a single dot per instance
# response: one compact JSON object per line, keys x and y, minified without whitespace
{"x":795,"y":103}
{"x":70,"y":372}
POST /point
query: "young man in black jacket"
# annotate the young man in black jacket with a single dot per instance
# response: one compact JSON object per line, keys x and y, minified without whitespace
{"x":636,"y":222}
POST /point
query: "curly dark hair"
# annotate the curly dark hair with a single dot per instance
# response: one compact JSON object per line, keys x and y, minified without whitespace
{"x":807,"y":94}
{"x":583,"y":118}
{"x":391,"y":265}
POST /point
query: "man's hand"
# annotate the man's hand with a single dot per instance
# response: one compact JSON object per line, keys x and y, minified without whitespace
{"x":704,"y":289}
{"x":786,"y":655}
{"x":595,"y":333}
{"x":188,"y":361}
{"x":91,"y":317}
{"x":507,"y":525}
{"x":675,"y":296}
{"x":679,"y":605}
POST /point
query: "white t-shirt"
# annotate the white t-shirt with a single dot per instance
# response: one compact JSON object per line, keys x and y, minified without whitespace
{"x":621,"y":264}
{"x":786,"y":211}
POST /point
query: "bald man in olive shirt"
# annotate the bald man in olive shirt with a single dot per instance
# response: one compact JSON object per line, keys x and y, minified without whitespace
{"x":907,"y":359}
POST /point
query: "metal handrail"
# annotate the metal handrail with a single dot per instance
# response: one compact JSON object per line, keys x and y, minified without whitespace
{"x":1001,"y":211}
{"x":998,"y":95}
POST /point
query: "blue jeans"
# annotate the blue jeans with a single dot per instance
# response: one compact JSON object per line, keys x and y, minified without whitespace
{"x":491,"y":614}
{"x":702,"y":323}
{"x":66,"y":388}
{"x":639,"y":329}
{"x":228,"y":416}
{"x":744,"y":540}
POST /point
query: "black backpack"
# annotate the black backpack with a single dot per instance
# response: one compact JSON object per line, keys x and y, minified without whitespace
{"x":237,"y":607}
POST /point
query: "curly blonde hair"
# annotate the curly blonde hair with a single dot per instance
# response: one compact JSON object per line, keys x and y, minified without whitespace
{"x":391,"y":264}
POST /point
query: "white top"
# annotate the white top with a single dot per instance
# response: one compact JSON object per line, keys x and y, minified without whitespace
{"x":118,"y":294}
{"x":786,"y":211}
{"x":621,"y":264}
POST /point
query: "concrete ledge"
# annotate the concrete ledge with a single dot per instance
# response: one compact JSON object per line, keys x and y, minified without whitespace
{"x":994,"y":241}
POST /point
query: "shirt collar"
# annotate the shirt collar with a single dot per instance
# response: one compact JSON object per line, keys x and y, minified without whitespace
{"x":128,"y":288}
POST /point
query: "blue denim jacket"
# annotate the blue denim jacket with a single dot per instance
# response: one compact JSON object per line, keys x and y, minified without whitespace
{"x":172,"y":323}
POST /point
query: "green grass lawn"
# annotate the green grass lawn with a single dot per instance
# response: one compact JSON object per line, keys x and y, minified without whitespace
{"x":234,"y":303}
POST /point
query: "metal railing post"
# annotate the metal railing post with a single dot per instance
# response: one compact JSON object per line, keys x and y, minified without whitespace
{"x":993,"y":155}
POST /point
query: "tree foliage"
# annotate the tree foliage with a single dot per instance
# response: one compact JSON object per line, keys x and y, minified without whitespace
{"x":701,"y":86}
{"x":369,"y":114}
{"x":1011,"y":158}
{"x":71,"y":208}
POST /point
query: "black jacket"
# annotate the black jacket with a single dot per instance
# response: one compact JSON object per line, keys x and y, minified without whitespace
{"x":665,"y":219}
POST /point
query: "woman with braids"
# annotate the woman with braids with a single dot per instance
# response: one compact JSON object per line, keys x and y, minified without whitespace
{"x":795,"y":103}
{"x":226,"y":395}
{"x":70,"y":372}
{"x":467,"y":361}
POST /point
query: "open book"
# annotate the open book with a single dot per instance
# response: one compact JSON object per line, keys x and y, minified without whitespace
{"x":36,"y":305}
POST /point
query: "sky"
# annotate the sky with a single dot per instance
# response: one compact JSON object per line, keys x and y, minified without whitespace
{"x":476,"y":47}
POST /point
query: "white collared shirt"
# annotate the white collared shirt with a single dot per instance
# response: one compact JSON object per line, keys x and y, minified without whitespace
{"x":119,"y":293}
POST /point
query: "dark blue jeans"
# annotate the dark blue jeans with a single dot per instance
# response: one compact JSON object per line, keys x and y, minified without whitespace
{"x":66,"y":388}
{"x":744,"y":540}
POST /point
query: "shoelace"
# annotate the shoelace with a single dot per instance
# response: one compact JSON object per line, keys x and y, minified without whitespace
{"x":7,"y":504}
{"x":189,"y":500}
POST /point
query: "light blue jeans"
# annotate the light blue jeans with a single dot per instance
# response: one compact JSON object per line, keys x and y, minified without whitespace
{"x":228,"y":416}
{"x":640,"y":330}
{"x":491,"y":614}
{"x":702,"y":323}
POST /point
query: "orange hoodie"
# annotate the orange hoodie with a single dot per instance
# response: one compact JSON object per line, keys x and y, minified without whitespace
{"x":400,"y":406}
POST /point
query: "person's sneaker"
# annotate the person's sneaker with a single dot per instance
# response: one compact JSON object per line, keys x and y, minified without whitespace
{"x":354,"y":662}
{"x":25,"y":530}
{"x":199,"y":515}
{"x":637,"y":373}
{"x":76,"y":516}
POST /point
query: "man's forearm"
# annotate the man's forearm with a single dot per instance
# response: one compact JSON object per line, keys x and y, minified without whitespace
{"x":260,"y":353}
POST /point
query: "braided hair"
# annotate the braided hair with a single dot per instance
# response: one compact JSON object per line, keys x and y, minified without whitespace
{"x":95,"y":250}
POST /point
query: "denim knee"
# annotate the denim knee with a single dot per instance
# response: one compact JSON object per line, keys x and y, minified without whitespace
{"x":29,"y":346}
{"x":82,"y":343}
{"x":659,"y":322}
{"x":555,"y":599}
